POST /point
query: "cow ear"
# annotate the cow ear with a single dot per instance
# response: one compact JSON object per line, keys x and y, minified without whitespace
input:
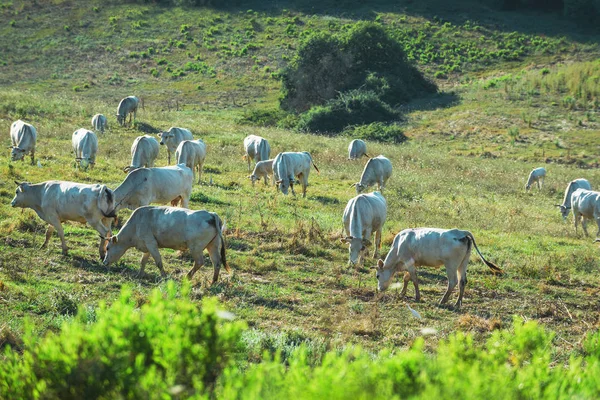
{"x":380,"y":263}
{"x":18,"y":184}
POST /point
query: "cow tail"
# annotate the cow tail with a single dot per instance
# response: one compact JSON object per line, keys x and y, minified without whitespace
{"x":314,"y":165}
{"x":219,"y":225}
{"x":495,"y":269}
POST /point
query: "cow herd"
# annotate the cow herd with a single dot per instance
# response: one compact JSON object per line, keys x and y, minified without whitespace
{"x":150,"y":228}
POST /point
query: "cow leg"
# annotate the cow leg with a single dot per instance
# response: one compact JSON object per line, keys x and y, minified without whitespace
{"x":153,"y":250}
{"x":377,"y":243}
{"x":451,"y":272}
{"x":248,"y":159}
{"x":32,"y":156}
{"x":185,"y":202}
{"x":410,"y":267}
{"x":49,"y":232}
{"x":584,"y":225}
{"x":168,"y":157}
{"x":292,"y":187}
{"x":198,"y":262}
{"x":462,"y":275}
{"x":104,"y":232}
{"x":200,"y":172}
{"x":214,"y":252}
{"x":575,"y":220}
{"x":405,"y":285}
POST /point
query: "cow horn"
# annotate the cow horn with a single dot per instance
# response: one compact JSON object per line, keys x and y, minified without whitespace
{"x":354,"y":184}
{"x":18,"y":184}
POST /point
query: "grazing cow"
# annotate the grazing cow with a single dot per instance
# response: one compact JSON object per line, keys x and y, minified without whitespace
{"x":99,"y":122}
{"x":144,"y":151}
{"x":287,"y":166}
{"x":565,"y":207}
{"x":161,"y":185}
{"x":23,"y":137}
{"x":257,"y":148}
{"x":357,"y":149}
{"x":172,"y":138}
{"x":192,"y":153}
{"x":85,"y":147}
{"x":364,"y":214}
{"x":127,"y":106}
{"x":586,"y":205}
{"x":59,"y":201}
{"x":430,"y":247}
{"x":151,"y":228}
{"x":377,"y":171}
{"x":262,"y":169}
{"x":537,"y":176}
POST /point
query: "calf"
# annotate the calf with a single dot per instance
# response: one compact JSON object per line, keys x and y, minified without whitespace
{"x":377,"y":171}
{"x":152,"y":228}
{"x":430,"y":247}
{"x":262,"y":169}
{"x":85,"y":147}
{"x":537,"y":176}
{"x":364,"y":214}
{"x":144,"y":151}
{"x":192,"y":153}
{"x":172,"y":138}
{"x":257,"y":148}
{"x":162,"y":185}
{"x":586,"y":205}
{"x":127,"y":106}
{"x":99,"y":122}
{"x":287,"y":166}
{"x":23,"y":137}
{"x":565,"y":207}
{"x":59,"y":201}
{"x":357,"y":149}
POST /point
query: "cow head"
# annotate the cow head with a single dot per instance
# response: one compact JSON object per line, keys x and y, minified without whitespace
{"x":253,"y":178}
{"x":165,"y":136}
{"x":359,"y":187}
{"x":21,"y":195}
{"x":284,"y":185}
{"x":106,"y":202}
{"x":564,"y":211}
{"x":356,"y":248}
{"x":17,"y":153}
{"x":114,"y":250}
{"x":121,"y":119}
{"x":384,"y":276}
{"x":83,"y":162}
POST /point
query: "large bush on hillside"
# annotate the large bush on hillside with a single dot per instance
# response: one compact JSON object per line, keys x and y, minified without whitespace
{"x":169,"y":346}
{"x":364,"y":57}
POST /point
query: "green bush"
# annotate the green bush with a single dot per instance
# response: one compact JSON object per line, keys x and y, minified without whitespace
{"x":352,"y":108}
{"x":167,"y":346}
{"x":377,"y":131}
{"x":364,"y":56}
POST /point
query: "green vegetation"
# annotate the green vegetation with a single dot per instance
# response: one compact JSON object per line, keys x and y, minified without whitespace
{"x":514,"y":93}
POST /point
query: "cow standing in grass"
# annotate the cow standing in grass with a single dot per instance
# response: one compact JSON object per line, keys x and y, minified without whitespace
{"x":430,"y":247}
{"x":287,"y":166}
{"x":127,"y":106}
{"x":536,"y":176}
{"x":23,"y":137}
{"x":151,"y":228}
{"x":85,"y":147}
{"x":377,"y":171}
{"x":565,"y":207}
{"x":59,"y":201}
{"x":192,"y":153}
{"x":586,"y":205}
{"x":257,"y":148}
{"x":172,"y":138}
{"x":99,"y":122}
{"x":144,"y":152}
{"x":364,"y":215}
{"x":262,"y":169}
{"x":357,"y":149}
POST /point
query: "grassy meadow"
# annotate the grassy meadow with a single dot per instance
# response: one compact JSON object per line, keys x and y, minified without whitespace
{"x":513,"y":96}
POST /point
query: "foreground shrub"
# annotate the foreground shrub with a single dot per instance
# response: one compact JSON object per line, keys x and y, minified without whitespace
{"x":377,"y":131}
{"x":168,"y":346}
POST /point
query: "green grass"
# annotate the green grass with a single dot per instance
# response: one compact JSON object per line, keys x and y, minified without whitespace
{"x":459,"y":168}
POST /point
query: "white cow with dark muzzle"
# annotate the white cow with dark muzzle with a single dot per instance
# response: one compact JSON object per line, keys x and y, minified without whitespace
{"x":262,"y":169}
{"x":85,"y":147}
{"x":257,"y":148}
{"x":565,"y":207}
{"x":161,"y":185}
{"x":172,"y":138}
{"x":127,"y":106}
{"x":192,"y":153}
{"x":289,"y":165}
{"x":59,"y":201}
{"x":377,"y":171}
{"x":151,"y":228}
{"x":144,"y":152}
{"x":364,"y":214}
{"x":23,"y":137}
{"x":430,"y":247}
{"x":536,"y":176}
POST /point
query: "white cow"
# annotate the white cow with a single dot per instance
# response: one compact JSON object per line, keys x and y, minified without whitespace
{"x":364,"y":214}
{"x":59,"y":201}
{"x":99,"y":122}
{"x":172,"y":138}
{"x":161,"y":185}
{"x":537,"y":176}
{"x":377,"y":171}
{"x":144,"y":151}
{"x":191,"y":153}
{"x":85,"y":147}
{"x":357,"y":149}
{"x":127,"y":106}
{"x":287,"y":166}
{"x":565,"y":207}
{"x":23,"y":137}
{"x":262,"y":169}
{"x":586,"y":205}
{"x":151,"y":228}
{"x":430,"y":247}
{"x":257,"y":148}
